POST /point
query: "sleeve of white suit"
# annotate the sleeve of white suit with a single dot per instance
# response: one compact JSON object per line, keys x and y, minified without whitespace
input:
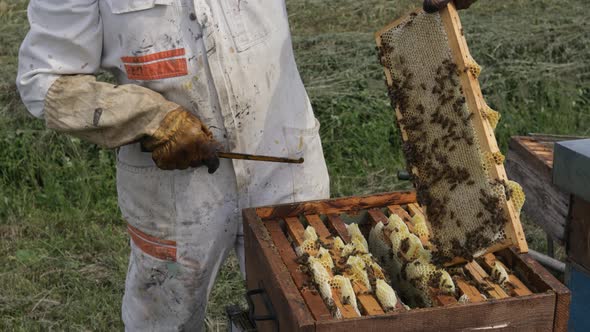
{"x":57,"y":60}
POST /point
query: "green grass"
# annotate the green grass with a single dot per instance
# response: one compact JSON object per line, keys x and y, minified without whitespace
{"x":63,"y":247}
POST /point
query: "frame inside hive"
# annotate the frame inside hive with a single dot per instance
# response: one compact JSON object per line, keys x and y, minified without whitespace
{"x":271,"y":266}
{"x":460,"y":66}
{"x":287,"y":234}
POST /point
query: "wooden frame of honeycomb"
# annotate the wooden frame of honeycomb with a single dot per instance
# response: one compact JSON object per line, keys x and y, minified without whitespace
{"x":449,"y":143}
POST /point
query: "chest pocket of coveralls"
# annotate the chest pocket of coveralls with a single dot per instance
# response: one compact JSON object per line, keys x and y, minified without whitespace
{"x":247,"y":21}
{"x":127,"y":6}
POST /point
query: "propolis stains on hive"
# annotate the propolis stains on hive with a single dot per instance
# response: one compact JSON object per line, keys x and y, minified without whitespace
{"x":448,"y":137}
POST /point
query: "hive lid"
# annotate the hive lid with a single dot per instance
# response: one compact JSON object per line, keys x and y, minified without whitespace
{"x":448,"y":137}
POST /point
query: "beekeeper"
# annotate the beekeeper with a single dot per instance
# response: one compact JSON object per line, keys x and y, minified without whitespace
{"x":193,"y":77}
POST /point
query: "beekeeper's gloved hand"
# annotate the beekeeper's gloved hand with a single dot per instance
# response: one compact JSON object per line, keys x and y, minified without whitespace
{"x":182,"y":141}
{"x":115,"y":115}
{"x":431,"y":6}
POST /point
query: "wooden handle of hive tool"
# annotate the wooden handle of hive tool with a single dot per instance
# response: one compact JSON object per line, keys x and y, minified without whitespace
{"x":244,"y":156}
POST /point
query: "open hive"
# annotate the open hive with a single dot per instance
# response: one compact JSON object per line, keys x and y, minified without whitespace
{"x":286,"y":245}
{"x":310,"y":259}
{"x":448,"y":139}
{"x":389,"y":258}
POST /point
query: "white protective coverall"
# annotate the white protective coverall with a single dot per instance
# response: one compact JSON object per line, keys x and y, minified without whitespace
{"x":231,"y":63}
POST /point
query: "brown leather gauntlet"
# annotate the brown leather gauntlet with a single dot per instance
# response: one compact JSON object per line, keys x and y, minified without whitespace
{"x":182,"y":141}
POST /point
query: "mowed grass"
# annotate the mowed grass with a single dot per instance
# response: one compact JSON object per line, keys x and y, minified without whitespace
{"x":63,"y":246}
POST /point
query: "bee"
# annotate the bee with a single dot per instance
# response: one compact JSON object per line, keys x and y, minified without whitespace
{"x":302,"y":259}
{"x":420,"y":108}
{"x":346,"y":300}
{"x":452,"y":148}
{"x":452,"y":125}
{"x":318,"y":243}
{"x":435,"y":143}
{"x":304,"y":269}
{"x":469,"y":117}
{"x":508,"y":192}
{"x":479,"y":214}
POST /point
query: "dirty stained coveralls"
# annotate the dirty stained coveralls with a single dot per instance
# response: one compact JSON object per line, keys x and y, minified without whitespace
{"x":231,"y":63}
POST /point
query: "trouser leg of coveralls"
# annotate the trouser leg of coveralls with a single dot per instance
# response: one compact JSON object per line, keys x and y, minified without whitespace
{"x":172,"y":294}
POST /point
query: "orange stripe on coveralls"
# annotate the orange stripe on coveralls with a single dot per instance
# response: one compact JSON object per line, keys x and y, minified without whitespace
{"x":150,"y":245}
{"x":157,"y":70}
{"x":154,"y":56}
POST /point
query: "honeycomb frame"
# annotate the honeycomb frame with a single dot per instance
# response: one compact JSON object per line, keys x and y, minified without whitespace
{"x":459,"y":66}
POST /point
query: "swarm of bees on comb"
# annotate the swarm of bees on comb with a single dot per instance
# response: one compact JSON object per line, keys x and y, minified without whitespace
{"x":452,"y":168}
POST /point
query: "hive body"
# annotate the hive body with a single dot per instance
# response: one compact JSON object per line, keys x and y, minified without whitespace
{"x":273,"y":233}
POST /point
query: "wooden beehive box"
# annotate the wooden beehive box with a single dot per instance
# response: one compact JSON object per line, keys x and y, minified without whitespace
{"x":530,"y":162}
{"x":537,"y":302}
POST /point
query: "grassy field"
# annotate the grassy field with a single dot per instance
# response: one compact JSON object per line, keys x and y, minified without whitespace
{"x":63,"y":248}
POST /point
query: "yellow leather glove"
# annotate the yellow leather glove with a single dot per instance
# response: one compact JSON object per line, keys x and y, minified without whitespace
{"x":182,"y":141}
{"x":431,"y":6}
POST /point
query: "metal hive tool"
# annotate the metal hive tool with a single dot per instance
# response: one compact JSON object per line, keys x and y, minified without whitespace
{"x":449,"y":144}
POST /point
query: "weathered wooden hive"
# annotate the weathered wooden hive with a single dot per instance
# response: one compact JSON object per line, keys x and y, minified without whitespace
{"x":504,"y":290}
{"x":449,"y":257}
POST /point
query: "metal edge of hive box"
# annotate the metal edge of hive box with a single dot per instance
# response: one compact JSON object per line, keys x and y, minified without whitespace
{"x":547,"y":309}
